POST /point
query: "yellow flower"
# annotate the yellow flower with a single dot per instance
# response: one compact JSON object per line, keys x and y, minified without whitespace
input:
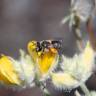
{"x":32,"y":50}
{"x":8,"y":74}
{"x":44,"y":61}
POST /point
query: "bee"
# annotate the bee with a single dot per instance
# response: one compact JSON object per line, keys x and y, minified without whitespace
{"x":45,"y":45}
{"x":50,"y":45}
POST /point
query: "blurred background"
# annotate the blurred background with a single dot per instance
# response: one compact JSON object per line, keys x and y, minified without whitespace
{"x":25,"y":20}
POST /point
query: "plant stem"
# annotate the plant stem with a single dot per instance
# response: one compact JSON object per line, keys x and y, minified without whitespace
{"x":85,"y":89}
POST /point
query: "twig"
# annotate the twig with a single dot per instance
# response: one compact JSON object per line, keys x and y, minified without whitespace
{"x":85,"y":89}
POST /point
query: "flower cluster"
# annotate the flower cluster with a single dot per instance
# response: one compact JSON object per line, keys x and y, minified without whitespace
{"x":43,"y":61}
{"x":31,"y":69}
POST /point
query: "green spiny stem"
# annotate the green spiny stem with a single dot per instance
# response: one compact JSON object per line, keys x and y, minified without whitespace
{"x":42,"y":86}
{"x":85,"y":89}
